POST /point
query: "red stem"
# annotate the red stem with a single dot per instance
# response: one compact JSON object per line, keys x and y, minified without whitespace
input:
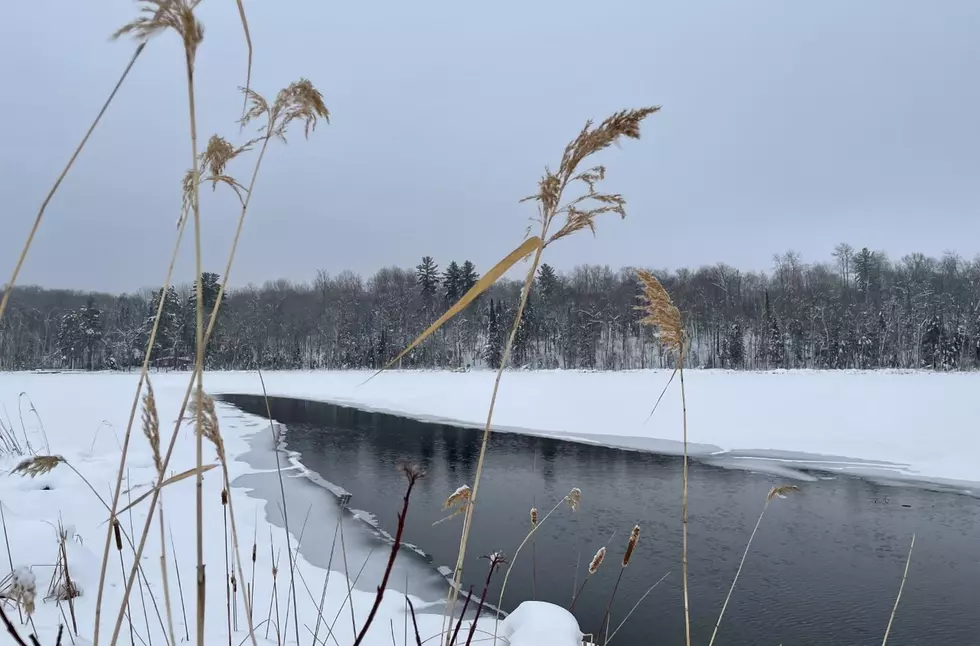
{"x":459,"y":622}
{"x":413,"y":476}
{"x":483,"y":597}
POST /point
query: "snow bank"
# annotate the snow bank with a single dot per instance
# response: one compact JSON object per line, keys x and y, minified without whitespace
{"x":534,"y":623}
{"x":83,"y":418}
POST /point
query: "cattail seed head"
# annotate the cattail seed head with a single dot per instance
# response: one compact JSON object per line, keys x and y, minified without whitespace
{"x":224,"y":496}
{"x":253,"y":553}
{"x":534,"y":516}
{"x":574,"y":498}
{"x":631,"y":545}
{"x":118,"y":534}
{"x":597,"y":560}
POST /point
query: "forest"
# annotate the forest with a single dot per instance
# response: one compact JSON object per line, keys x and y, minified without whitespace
{"x":857,"y":310}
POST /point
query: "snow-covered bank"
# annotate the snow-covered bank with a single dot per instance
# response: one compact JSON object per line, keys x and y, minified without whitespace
{"x":84,"y":418}
{"x":893,"y":425}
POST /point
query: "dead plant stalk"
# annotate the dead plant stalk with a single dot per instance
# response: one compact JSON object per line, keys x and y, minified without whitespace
{"x":579,"y":213}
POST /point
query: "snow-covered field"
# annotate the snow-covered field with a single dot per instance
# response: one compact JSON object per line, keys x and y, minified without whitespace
{"x":905,"y":426}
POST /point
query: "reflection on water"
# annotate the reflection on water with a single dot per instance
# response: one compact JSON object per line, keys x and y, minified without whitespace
{"x":824,"y":567}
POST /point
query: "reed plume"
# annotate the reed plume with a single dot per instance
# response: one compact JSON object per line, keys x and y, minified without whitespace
{"x":661,"y":313}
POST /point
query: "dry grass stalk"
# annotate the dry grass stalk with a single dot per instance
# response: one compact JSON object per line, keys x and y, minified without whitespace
{"x":10,"y":555}
{"x":594,"y":564}
{"x":661,"y":313}
{"x":635,"y":606}
{"x":275,"y":439}
{"x":307,"y":105}
{"x":775,"y":492}
{"x":630,"y":547}
{"x":898,"y":598}
{"x":579,"y":213}
{"x":573,"y":499}
{"x":178,"y":15}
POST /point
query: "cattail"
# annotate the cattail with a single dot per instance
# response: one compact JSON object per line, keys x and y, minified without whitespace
{"x":117,"y":533}
{"x":253,"y":553}
{"x":574,"y":498}
{"x":634,"y":537}
{"x":597,"y":560}
{"x":224,"y":496}
{"x":534,"y":517}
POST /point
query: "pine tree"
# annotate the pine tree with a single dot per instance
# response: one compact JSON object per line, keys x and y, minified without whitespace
{"x":547,"y":282}
{"x":493,"y":346}
{"x":70,"y":339}
{"x":468,"y":278}
{"x":734,"y":353}
{"x":90,"y":320}
{"x":210,"y":286}
{"x":775,"y":348}
{"x":165,"y":343}
{"x":427,"y":277}
{"x":452,"y":282}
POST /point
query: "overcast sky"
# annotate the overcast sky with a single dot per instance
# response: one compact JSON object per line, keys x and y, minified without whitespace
{"x":785,"y":125}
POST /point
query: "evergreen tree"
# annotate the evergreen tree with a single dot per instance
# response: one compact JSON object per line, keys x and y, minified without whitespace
{"x":933,"y":343}
{"x":547,"y":282}
{"x":427,"y":277}
{"x":493,"y":346}
{"x":70,"y":339}
{"x":210,"y":286}
{"x":452,"y":283}
{"x":468,"y":278}
{"x":90,"y":320}
{"x":165,"y":343}
{"x":734,"y":353}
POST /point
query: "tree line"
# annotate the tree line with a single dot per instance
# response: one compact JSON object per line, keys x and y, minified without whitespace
{"x":859,"y":310}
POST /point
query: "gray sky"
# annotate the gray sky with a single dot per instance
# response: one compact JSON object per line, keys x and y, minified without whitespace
{"x":784,"y":125}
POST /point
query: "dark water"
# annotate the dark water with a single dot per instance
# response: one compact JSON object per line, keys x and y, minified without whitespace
{"x":824,"y":568}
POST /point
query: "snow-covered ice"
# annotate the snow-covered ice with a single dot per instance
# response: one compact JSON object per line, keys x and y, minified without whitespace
{"x":903,"y":426}
{"x":886,"y":424}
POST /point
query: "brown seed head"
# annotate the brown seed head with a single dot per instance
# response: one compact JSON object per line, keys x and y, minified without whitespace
{"x":299,"y":100}
{"x":574,"y":498}
{"x":224,"y":496}
{"x":781,"y":491}
{"x":209,"y":422}
{"x":151,"y":426}
{"x":534,"y":516}
{"x":38,"y":465}
{"x":580,"y":212}
{"x":157,"y":15}
{"x":631,"y":545}
{"x":597,"y":560}
{"x":117,"y":533}
{"x":660,"y":311}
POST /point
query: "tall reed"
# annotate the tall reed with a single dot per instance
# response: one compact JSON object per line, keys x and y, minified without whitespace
{"x":775,"y":492}
{"x":660,"y":312}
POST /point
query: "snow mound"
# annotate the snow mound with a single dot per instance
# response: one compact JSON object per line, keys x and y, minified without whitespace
{"x":534,"y":623}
